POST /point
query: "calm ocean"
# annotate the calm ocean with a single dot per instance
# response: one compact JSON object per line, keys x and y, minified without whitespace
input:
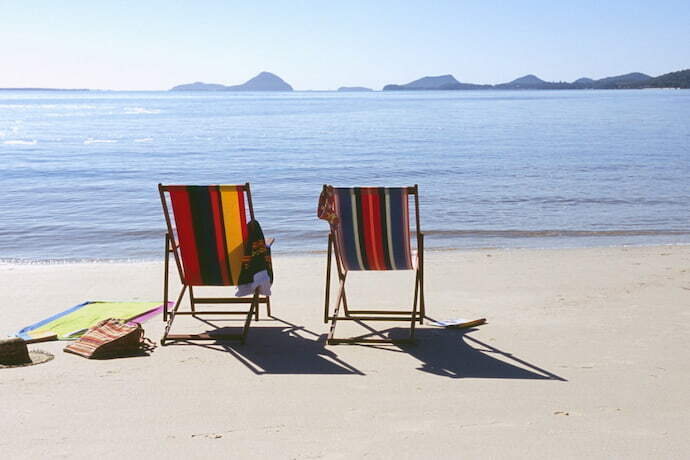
{"x":495,"y":168}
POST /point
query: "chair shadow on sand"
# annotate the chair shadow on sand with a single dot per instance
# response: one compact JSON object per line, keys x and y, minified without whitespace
{"x":453,"y":353}
{"x":284,"y":349}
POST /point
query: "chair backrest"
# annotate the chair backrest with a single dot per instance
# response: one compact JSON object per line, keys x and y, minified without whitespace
{"x":211,"y":228}
{"x":373,"y":232}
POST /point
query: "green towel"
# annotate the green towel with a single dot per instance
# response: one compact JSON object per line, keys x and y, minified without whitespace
{"x":72,"y":323}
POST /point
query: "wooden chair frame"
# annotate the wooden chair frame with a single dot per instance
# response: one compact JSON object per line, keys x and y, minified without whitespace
{"x":413,"y":315}
{"x":172,"y":247}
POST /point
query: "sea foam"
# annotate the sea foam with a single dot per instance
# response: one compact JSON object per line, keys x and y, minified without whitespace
{"x":140,"y":110}
{"x":99,"y":141}
{"x":18,"y":142}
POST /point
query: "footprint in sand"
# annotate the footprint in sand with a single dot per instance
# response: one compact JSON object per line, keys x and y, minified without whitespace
{"x":208,"y":435}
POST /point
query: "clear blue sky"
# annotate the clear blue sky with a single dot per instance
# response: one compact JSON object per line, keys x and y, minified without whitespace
{"x":152,"y":44}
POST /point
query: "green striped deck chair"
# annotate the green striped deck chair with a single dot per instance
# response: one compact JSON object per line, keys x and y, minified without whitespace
{"x":370,"y":231}
{"x":207,"y":232}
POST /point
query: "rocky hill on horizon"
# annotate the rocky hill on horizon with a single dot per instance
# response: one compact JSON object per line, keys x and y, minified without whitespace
{"x":264,"y":81}
{"x":440,"y":82}
{"x":634,"y":80}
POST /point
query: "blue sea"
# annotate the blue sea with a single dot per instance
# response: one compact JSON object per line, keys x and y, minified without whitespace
{"x":79,"y":170}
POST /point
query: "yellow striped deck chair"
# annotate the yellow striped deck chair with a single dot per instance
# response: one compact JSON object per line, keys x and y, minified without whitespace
{"x":208,"y":242}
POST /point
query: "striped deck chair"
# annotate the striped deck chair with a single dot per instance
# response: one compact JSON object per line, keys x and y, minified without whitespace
{"x":370,"y":230}
{"x":208,"y":246}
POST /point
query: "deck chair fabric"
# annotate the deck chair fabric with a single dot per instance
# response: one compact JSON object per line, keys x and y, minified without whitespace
{"x":370,"y":230}
{"x":374,"y":228}
{"x":211,"y":227}
{"x":214,"y":245}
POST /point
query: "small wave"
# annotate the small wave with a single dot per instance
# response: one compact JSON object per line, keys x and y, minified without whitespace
{"x":140,"y":110}
{"x":99,"y":141}
{"x":144,"y":139}
{"x":551,"y":233}
{"x":562,"y":201}
{"x":50,"y":106}
{"x":33,"y":142}
{"x":78,"y":260}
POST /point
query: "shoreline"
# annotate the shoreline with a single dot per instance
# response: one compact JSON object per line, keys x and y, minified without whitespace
{"x":318,"y":253}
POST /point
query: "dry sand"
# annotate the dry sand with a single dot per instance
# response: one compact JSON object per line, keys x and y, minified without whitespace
{"x":586,"y":354}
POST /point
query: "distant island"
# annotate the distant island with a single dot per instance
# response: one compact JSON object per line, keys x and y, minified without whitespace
{"x":265,"y":81}
{"x":635,"y":80}
{"x":353,"y":89}
{"x":441,"y":82}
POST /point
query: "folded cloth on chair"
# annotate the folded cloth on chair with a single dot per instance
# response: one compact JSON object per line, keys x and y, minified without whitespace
{"x":326,"y":208}
{"x":256,"y":263}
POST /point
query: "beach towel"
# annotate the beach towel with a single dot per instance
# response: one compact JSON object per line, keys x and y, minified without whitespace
{"x":73,"y":322}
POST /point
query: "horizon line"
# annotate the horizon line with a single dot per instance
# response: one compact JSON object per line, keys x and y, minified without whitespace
{"x":43,"y":88}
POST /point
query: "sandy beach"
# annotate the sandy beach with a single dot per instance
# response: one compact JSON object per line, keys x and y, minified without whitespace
{"x":585,"y":354}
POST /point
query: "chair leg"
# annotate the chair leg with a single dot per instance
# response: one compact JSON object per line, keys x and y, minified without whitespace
{"x":419,"y":296}
{"x":342,"y":274}
{"x":268,"y":306}
{"x":416,"y":289}
{"x":166,"y":270}
{"x":254,"y":307}
{"x":413,"y":321}
{"x":420,"y":271}
{"x":345,"y":309}
{"x":343,"y":277}
{"x":172,"y":314}
{"x":327,"y":295}
{"x":341,"y":293}
{"x":191,"y":300}
{"x":422,"y":313}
